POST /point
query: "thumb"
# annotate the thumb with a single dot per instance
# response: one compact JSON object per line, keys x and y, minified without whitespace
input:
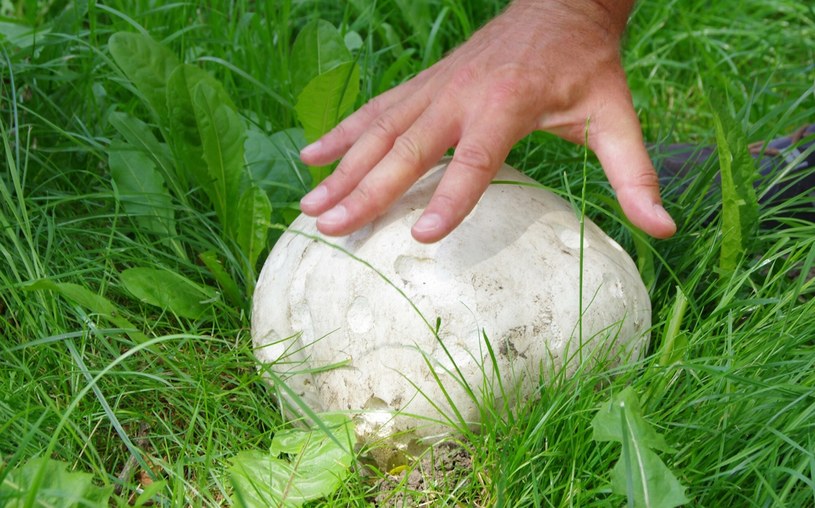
{"x":619,"y":147}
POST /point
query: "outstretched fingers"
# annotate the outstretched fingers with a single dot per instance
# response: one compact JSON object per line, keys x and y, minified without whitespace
{"x":410,"y":155}
{"x":335,"y":143}
{"x":369,"y":148}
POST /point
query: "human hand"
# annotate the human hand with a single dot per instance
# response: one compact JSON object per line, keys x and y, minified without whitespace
{"x":541,"y":65}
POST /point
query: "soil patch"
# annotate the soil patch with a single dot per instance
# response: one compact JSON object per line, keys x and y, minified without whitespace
{"x":444,"y":468}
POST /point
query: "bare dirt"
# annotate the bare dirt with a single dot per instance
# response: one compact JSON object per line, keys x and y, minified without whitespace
{"x":441,"y":470}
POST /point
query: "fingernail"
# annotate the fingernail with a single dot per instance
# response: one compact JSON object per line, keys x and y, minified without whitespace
{"x":663,"y":214}
{"x":311,"y":149}
{"x":427,"y":223}
{"x":315,"y":198}
{"x":334,"y":216}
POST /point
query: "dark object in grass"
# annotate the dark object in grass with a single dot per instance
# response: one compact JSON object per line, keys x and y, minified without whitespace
{"x":785,"y":166}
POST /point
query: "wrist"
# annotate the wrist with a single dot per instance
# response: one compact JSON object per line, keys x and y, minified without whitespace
{"x":610,"y":16}
{"x":614,"y":13}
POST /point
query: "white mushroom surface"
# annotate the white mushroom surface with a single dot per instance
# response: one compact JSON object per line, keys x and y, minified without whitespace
{"x":397,"y":333}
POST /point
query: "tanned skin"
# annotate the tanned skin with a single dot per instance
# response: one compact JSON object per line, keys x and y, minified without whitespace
{"x":543,"y":65}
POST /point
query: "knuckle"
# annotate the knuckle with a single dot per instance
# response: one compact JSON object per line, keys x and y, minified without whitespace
{"x":637,"y":182}
{"x":374,"y":107}
{"x":514,"y":87}
{"x":384,"y":127}
{"x":445,"y":201}
{"x":407,"y":149}
{"x":367,"y":199}
{"x":464,"y":76}
{"x":474,"y":158}
{"x":342,"y":172}
{"x":362,"y":194}
{"x":645,"y":180}
{"x":340,"y":131}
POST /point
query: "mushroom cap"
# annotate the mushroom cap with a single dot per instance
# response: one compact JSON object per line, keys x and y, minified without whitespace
{"x":413,"y":338}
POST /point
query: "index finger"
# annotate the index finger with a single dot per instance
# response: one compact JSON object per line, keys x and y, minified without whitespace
{"x":477,"y":158}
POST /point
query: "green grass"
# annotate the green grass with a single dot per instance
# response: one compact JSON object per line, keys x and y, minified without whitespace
{"x":737,"y":403}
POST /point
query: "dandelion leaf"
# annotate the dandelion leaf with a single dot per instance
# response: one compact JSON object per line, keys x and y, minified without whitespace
{"x":141,"y":189}
{"x":319,"y":47}
{"x":140,"y":135}
{"x":148,"y":65}
{"x":46,"y":482}
{"x":739,"y":202}
{"x":252,"y":222}
{"x":639,"y":474}
{"x":87,"y":299}
{"x":169,"y":291}
{"x":274,"y":164}
{"x":301,"y":465}
{"x":326,"y":98}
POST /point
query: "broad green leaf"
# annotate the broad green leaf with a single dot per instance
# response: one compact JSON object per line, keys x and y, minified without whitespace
{"x":325,"y":81}
{"x":739,"y":202}
{"x":80,"y":295}
{"x":326,"y":98}
{"x":48,"y":483}
{"x":184,"y":135}
{"x":223,"y":133}
{"x":225,"y":281}
{"x":140,"y":135}
{"x":168,"y":290}
{"x":274,"y":164}
{"x":252,"y":223}
{"x":148,"y":65}
{"x":323,"y":102}
{"x":208,"y":137}
{"x":19,"y":35}
{"x":141,"y":189}
{"x":640,"y":474}
{"x":315,"y":465}
{"x":319,"y":47}
{"x":91,"y":301}
{"x":608,"y":423}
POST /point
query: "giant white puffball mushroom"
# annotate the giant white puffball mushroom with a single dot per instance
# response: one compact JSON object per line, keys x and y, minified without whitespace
{"x":396,"y":332}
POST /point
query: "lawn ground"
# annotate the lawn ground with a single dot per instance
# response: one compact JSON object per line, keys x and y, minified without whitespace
{"x":133,"y":395}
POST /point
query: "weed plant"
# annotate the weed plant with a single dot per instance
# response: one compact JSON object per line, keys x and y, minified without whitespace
{"x":147,"y":399}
